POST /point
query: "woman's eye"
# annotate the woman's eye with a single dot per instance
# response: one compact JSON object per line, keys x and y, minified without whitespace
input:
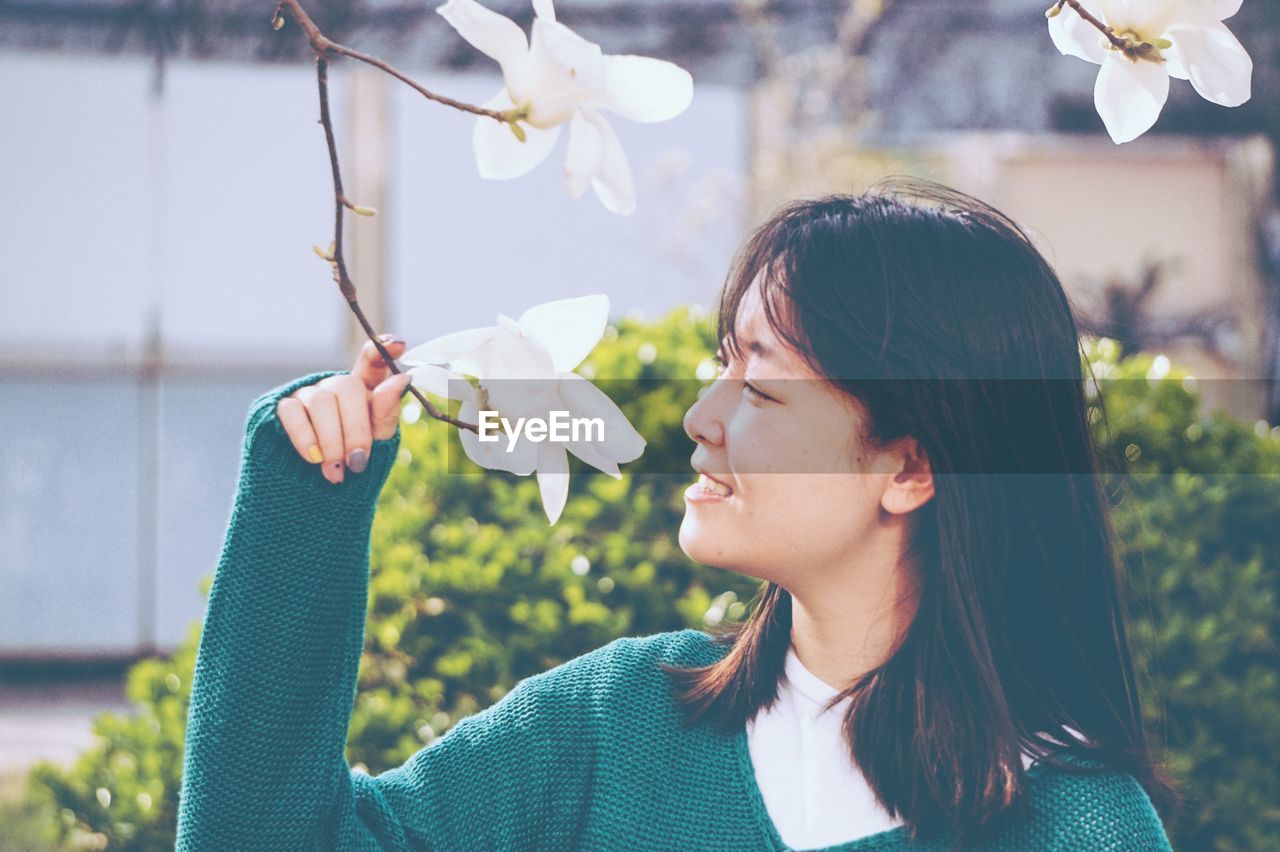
{"x":747,"y":388}
{"x":751,"y":391}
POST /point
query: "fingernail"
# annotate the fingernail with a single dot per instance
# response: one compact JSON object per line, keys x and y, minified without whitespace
{"x":357,"y":460}
{"x":314,"y":455}
{"x":388,"y":339}
{"x":405,"y":388}
{"x":336,"y":467}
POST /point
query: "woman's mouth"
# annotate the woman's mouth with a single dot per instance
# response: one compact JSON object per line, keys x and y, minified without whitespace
{"x":707,"y":489}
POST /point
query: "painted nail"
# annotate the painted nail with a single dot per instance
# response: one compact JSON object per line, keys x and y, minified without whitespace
{"x":336,"y":467}
{"x":314,"y":455}
{"x":357,"y":460}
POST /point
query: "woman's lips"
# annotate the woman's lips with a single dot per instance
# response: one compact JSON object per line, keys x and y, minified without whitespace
{"x":707,"y":490}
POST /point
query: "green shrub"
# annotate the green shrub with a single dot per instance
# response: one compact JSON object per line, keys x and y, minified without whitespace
{"x":471,"y":591}
{"x":124,"y":791}
{"x":503,"y":595}
{"x":1199,"y":526}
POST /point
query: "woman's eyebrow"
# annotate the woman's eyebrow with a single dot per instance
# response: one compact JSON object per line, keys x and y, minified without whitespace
{"x":758,"y":348}
{"x":755,"y":347}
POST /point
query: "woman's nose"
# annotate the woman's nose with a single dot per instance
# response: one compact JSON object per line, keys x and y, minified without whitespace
{"x":700,"y":421}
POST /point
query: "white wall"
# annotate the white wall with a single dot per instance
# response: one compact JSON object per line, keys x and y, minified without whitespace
{"x":466,"y":248}
{"x":178,"y":226}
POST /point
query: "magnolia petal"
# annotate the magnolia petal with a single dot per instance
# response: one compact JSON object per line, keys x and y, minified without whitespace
{"x":1217,"y":64}
{"x":443,"y":350}
{"x":1116,"y":11}
{"x":553,"y":46}
{"x":499,"y":154}
{"x":622,"y":443}
{"x":517,"y":398}
{"x":553,"y":478}
{"x":1153,"y":17}
{"x":567,"y":328}
{"x":1173,"y":64}
{"x":645,"y":89}
{"x":494,"y":35}
{"x":613,"y":182}
{"x":1129,"y":95}
{"x":557,"y":90}
{"x":590,"y":453}
{"x":544,"y":9}
{"x":521,"y":460}
{"x":1223,"y":9}
{"x":443,"y":383}
{"x":1074,"y":36}
{"x":509,"y":354}
{"x":583,"y":156}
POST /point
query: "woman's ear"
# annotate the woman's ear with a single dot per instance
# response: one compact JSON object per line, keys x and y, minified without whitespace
{"x":912,"y":486}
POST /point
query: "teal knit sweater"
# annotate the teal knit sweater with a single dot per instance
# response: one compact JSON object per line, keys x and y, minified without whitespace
{"x":587,"y":755}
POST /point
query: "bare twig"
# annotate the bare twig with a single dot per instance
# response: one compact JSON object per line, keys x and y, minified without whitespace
{"x":339,"y":261}
{"x":1117,"y":42}
{"x":323,"y":48}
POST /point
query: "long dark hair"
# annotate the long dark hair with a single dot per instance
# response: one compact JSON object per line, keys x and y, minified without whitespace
{"x":939,"y":317}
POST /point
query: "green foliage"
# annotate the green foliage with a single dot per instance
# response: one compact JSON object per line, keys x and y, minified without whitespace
{"x":1199,"y":527}
{"x":29,"y":825}
{"x":471,"y":591}
{"x":123,"y":792}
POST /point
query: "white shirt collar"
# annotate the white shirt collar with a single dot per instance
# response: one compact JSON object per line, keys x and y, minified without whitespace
{"x":806,"y":682}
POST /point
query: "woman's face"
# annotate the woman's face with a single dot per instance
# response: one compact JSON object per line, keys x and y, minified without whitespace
{"x":806,"y":491}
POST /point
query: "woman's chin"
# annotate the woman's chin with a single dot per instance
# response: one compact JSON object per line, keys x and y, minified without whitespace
{"x":699,"y":543}
{"x":721,"y":549}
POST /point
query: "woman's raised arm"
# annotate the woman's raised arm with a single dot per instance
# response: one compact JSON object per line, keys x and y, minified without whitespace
{"x":275,"y":681}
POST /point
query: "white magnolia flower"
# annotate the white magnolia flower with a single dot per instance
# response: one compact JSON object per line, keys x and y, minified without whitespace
{"x":1186,"y":39}
{"x":524,"y":368}
{"x":557,"y":77}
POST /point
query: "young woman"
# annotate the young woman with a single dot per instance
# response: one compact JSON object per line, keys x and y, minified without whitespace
{"x":897,"y":446}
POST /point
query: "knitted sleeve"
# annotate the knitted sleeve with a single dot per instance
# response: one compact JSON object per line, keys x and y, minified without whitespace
{"x":1110,"y":811}
{"x":275,"y":679}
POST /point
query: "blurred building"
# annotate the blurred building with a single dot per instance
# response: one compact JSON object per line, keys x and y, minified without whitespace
{"x":1169,"y":243}
{"x":163,"y":205}
{"x":167,"y":180}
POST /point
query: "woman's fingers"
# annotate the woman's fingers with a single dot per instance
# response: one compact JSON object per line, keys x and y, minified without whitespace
{"x":335,"y":421}
{"x":297,"y":425}
{"x":384,"y":406}
{"x":353,"y":408}
{"x":321,"y":403}
{"x":370,"y":366}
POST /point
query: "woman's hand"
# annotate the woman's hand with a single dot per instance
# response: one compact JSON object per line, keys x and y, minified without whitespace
{"x":339,"y":418}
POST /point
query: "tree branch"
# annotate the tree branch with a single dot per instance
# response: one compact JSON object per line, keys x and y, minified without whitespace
{"x":336,"y":258}
{"x":323,"y":47}
{"x":1116,"y":41}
